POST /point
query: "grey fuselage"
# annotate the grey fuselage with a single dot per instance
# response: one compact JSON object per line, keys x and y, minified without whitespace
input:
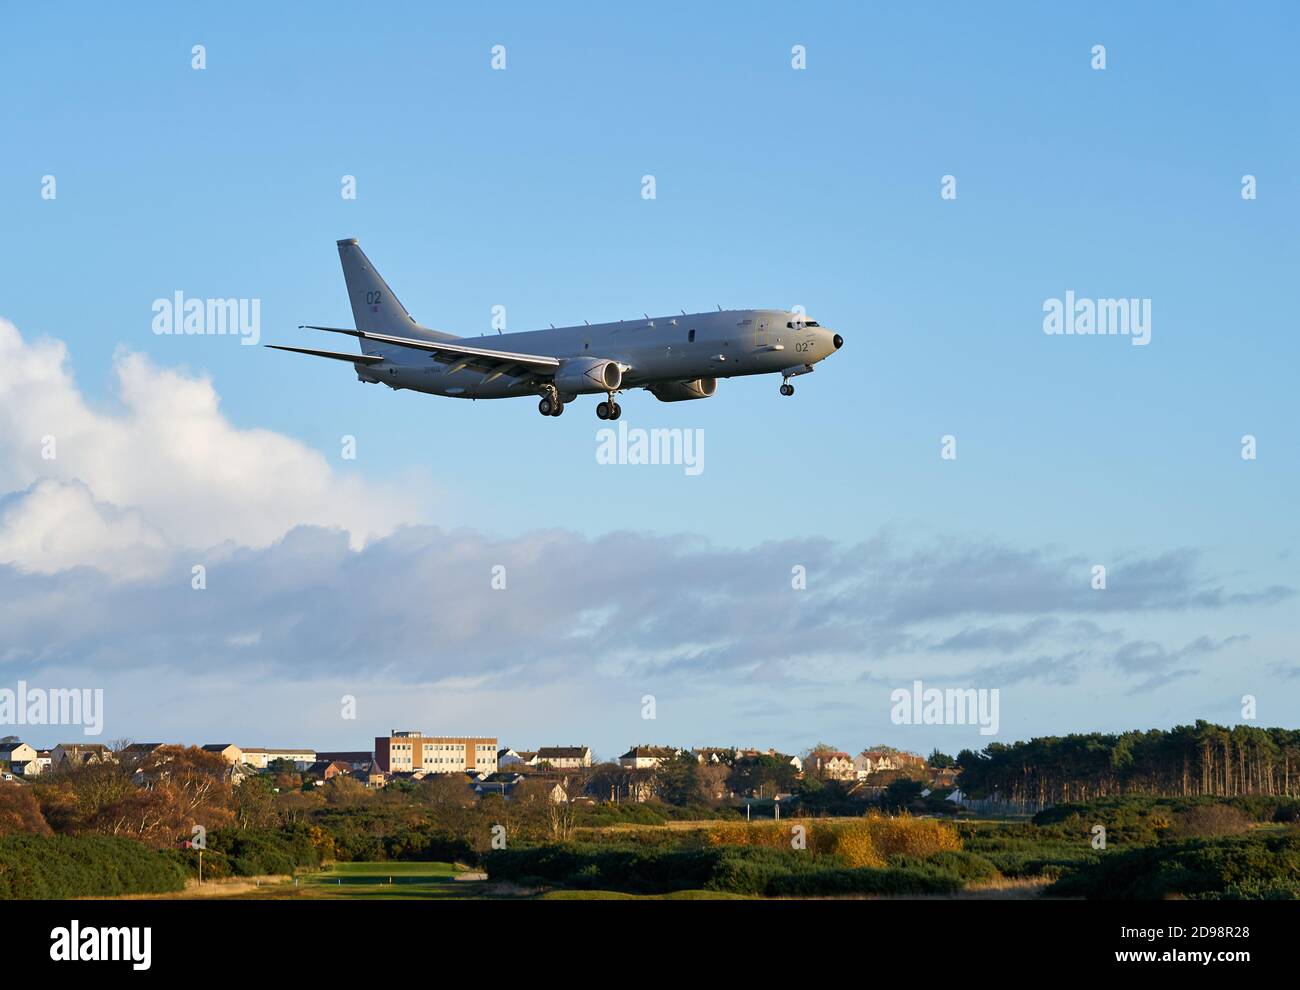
{"x":657,"y":350}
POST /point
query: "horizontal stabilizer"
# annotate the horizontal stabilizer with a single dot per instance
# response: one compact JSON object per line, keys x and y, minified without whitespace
{"x":336,"y":355}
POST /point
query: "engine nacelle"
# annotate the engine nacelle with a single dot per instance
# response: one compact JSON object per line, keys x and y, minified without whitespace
{"x":696,"y":388}
{"x":585,"y":375}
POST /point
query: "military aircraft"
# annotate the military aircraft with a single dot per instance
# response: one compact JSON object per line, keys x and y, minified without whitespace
{"x":675,"y":358}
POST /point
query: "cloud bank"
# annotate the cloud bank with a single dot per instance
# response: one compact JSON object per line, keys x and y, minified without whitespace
{"x":318,"y":576}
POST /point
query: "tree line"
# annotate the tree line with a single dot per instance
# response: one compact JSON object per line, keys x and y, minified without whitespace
{"x":1187,"y":760}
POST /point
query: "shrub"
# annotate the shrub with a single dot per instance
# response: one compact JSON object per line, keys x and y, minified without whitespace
{"x":868,"y":841}
{"x":737,"y":869}
{"x":1209,"y":821}
{"x":906,"y":836}
{"x":756,"y":866}
{"x":856,"y":845}
{"x":257,"y":852}
{"x":62,"y":866}
{"x":832,"y":882}
{"x":1243,"y":866}
{"x":967,"y":867}
{"x":1139,"y":819}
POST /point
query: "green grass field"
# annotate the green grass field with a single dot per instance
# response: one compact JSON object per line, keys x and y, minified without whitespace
{"x":365,"y":881}
{"x":416,"y":881}
{"x":384,"y":873}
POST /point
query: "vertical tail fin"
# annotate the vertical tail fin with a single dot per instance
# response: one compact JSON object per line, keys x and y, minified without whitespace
{"x":374,"y":306}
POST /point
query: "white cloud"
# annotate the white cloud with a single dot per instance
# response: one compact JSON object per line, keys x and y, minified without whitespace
{"x":165,"y":470}
{"x":56,"y":525}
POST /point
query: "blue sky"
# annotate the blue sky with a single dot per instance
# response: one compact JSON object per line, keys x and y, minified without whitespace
{"x":775,"y":187}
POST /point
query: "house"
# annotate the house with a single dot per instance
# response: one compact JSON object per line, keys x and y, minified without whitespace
{"x":240,"y":772}
{"x":501,"y":782}
{"x":79,"y":754}
{"x":229,"y":752}
{"x":647,"y":757}
{"x":871,"y":761}
{"x":356,"y":759}
{"x":16,"y":754}
{"x":947,"y":777}
{"x":832,"y":765}
{"x":372,"y":776}
{"x":35,"y":766}
{"x":793,"y":761}
{"x":516,"y":758}
{"x":564,"y":757}
{"x":507,"y":757}
{"x":326,"y":770}
{"x":137,"y":753}
{"x":715,"y":755}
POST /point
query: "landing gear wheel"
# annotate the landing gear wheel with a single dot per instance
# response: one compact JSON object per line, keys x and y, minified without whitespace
{"x":546,"y":407}
{"x":616,"y":412}
{"x":787,"y":389}
{"x":602,"y":410}
{"x":559,"y":408}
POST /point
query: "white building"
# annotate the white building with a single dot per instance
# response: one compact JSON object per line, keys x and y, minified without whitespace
{"x":647,"y":757}
{"x":256,"y":756}
{"x":564,"y":757}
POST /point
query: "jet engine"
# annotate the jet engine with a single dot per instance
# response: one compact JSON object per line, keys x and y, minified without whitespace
{"x":578,"y":375}
{"x":696,"y":388}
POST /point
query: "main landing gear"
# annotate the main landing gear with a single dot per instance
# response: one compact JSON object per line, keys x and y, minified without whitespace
{"x":787,"y":388}
{"x":550,"y":404}
{"x":609,"y":410}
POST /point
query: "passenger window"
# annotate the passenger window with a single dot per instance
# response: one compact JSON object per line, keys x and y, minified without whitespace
{"x":690,"y":337}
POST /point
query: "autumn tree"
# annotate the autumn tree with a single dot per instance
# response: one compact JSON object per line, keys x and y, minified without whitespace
{"x":20,"y":812}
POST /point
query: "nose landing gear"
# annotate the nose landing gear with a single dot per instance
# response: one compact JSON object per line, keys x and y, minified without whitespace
{"x":609,"y":410}
{"x":787,"y":388}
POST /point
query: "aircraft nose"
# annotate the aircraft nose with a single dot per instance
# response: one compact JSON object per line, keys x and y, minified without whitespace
{"x":838,"y":341}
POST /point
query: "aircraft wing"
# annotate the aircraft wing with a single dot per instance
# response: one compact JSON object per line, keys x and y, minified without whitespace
{"x":461,"y":355}
{"x":336,"y":355}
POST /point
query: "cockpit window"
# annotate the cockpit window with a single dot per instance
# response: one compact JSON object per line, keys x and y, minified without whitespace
{"x":803,"y":323}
